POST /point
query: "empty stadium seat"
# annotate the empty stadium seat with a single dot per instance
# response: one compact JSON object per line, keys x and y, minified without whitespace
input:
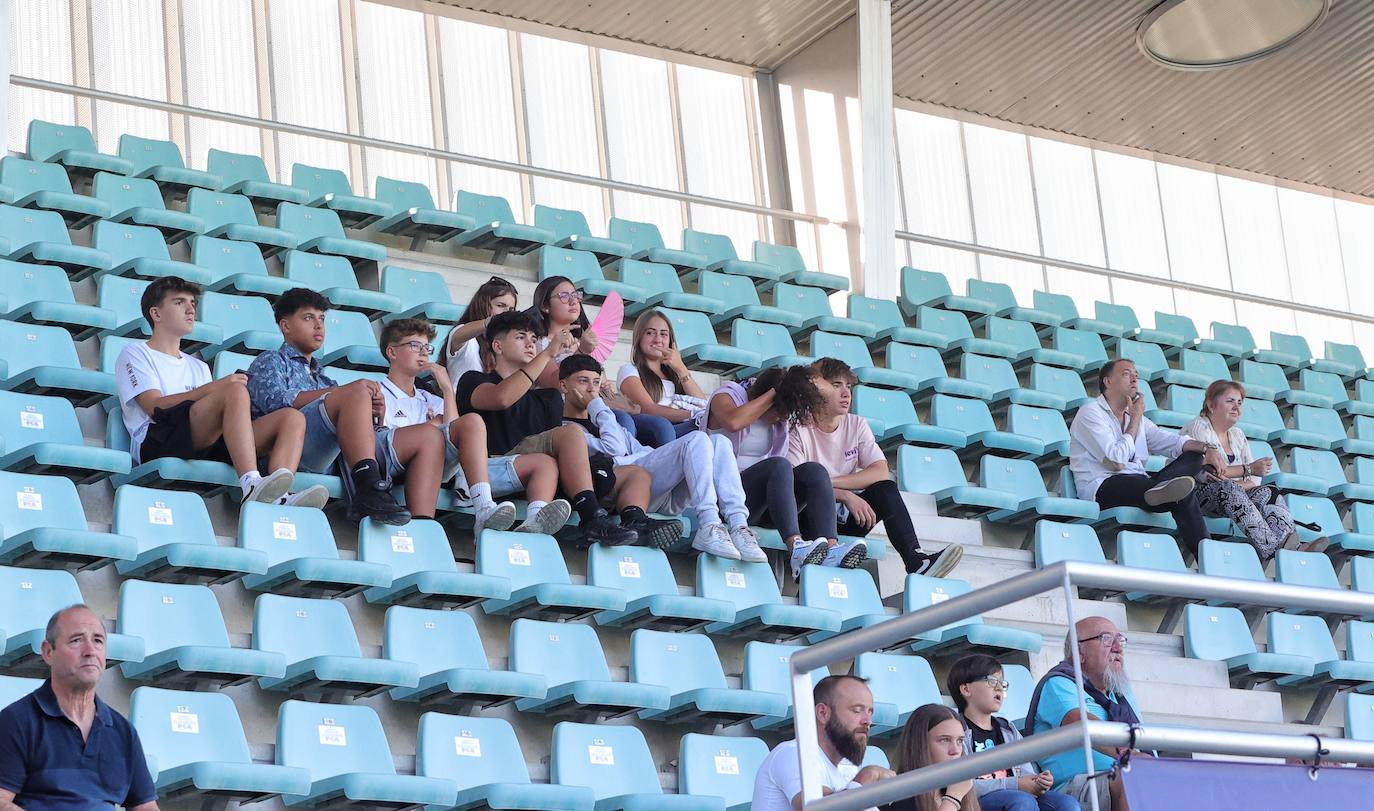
{"x":741,"y":297}
{"x":900,"y":684}
{"x":659,"y":286}
{"x":924,"y":369}
{"x":1229,"y":559}
{"x":1021,"y":478}
{"x":954,"y":328}
{"x":1308,"y":639}
{"x":892,"y":417}
{"x":43,"y":524}
{"x":539,"y":583}
{"x":161,"y":161}
{"x":719,"y":766}
{"x":1183,"y":326}
{"x":329,"y":188}
{"x":1022,"y":337}
{"x":1122,"y":316}
{"x":244,"y":324}
{"x":1293,"y":347}
{"x":615,"y":763}
{"x":350,"y":342}
{"x":1325,"y":389}
{"x":581,"y":269}
{"x":45,"y":186}
{"x":1345,"y":360}
{"x":788,"y":260}
{"x":334,"y":279}
{"x":1305,"y":569}
{"x":851,"y":593}
{"x":138,"y":201}
{"x":1145,"y":550}
{"x":652,"y":599}
{"x":1055,"y":541}
{"x":423,"y":571}
{"x":1359,"y":717}
{"x":72,"y":147}
{"x":696,"y":342}
{"x":318,"y":230}
{"x":1320,"y":511}
{"x":482,"y":757}
{"x":175,"y":540}
{"x":421,"y":294}
{"x":28,"y":599}
{"x":1084,"y":348}
{"x":40,"y":238}
{"x":139,"y":251}
{"x":1002,"y":296}
{"x":1044,"y":424}
{"x":231,"y":216}
{"x":346,"y":753}
{"x":496,"y":228}
{"x":924,"y":288}
{"x":886,"y":319}
{"x":414,"y":215}
{"x":247,"y":175}
{"x":771,"y":343}
{"x":811,"y":304}
{"x":42,"y":295}
{"x":302,"y":559}
{"x":1222,"y":634}
{"x":689,"y":668}
{"x":236,"y":268}
{"x":759,"y":610}
{"x":939,"y":473}
{"x":972,"y":419}
{"x":1000,"y":379}
{"x":1184,"y":405}
{"x":41,"y":360}
{"x":854,"y":352}
{"x":646,"y":243}
{"x":451,"y":663}
{"x":1064,"y":307}
{"x":767,"y":669}
{"x":570,"y":230}
{"x":971,"y":635}
{"x":568,"y":657}
{"x":1265,"y":381}
{"x":321,"y":650}
{"x":720,"y":256}
{"x":1240,"y":337}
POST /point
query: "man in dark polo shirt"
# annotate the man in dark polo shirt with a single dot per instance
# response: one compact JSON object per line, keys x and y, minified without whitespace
{"x":61,"y":747}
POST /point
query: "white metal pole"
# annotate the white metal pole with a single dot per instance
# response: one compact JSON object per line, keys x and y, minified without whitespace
{"x":879,"y":221}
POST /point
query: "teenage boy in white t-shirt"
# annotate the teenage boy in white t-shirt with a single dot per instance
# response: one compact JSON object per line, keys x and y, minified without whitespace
{"x":172,"y":407}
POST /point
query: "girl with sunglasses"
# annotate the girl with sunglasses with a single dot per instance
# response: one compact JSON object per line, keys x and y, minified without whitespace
{"x":465,"y":349}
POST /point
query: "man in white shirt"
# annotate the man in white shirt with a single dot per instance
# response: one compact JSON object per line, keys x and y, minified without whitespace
{"x":172,"y":407}
{"x":844,"y":711}
{"x":1110,"y":441}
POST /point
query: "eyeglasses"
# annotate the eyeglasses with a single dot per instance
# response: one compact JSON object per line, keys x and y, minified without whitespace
{"x":1106,"y":638}
{"x":995,"y":683}
{"x":416,"y":346}
{"x":568,"y":296}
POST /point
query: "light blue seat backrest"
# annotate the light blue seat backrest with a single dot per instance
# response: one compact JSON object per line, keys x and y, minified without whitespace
{"x":527,"y":558}
{"x":320,"y":181}
{"x":1294,"y":345}
{"x":124,"y":242}
{"x":961,"y":414}
{"x":923,"y":591}
{"x":1119,"y":314}
{"x":1180,"y":325}
{"x":419,"y":546}
{"x":1206,"y":363}
{"x":123,"y":193}
{"x":1020,"y":334}
{"x":227,"y":257}
{"x":743,"y":584}
{"x":414,"y":287}
{"x":735,"y":291}
{"x":1044,"y":424}
{"x":24,"y":346}
{"x":1087,"y":345}
{"x":1214,"y":633}
{"x":768,"y":340}
{"x":1323,"y":421}
{"x":110,"y":347}
{"x":1363,"y":468}
{"x":807,"y":302}
{"x":403,"y":194}
{"x":121,"y":295}
{"x":1359,"y":717}
{"x":690,"y":328}
{"x":1148,"y":358}
{"x":26,"y":177}
{"x":29,"y":597}
{"x":319,"y":271}
{"x":469,"y":751}
{"x":178,"y":727}
{"x":679,"y":662}
{"x":29,"y":419}
{"x":1056,"y":541}
{"x":332,"y":739}
{"x":1019,"y":476}
{"x":1362,"y":521}
{"x":308,"y":223}
{"x":226,"y":363}
{"x":286,"y":533}
{"x":922,"y":361}
{"x":890,"y":408}
{"x":1262,"y":413}
{"x":24,"y":226}
{"x":1300,"y":635}
{"x":767,"y":667}
{"x":1305,"y":569}
{"x":610,"y":760}
{"x":346,"y":328}
{"x":168,"y":615}
{"x":954,"y":326}
{"x":1228,"y":559}
{"x":720,"y":766}
{"x":156,"y":517}
{"x":995,"y":292}
{"x":920,"y":286}
{"x":145,"y":153}
{"x":1359,"y":641}
{"x":434,"y":640}
{"x":641,"y":236}
{"x":1147,"y":550}
{"x":715,"y":247}
{"x":235,"y":314}
{"x":785,"y":258}
{"x":22,"y":283}
{"x":651,"y":277}
{"x":218,"y":209}
{"x":1319,"y":464}
{"x":1263,"y":374}
{"x":1261,"y":450}
{"x":1324,"y":383}
{"x":1345,"y":353}
{"x":1234,"y":334}
{"x":559,"y":652}
{"x":301,"y":628}
{"x":1317,"y":510}
{"x":928,"y":470}
{"x":851,"y":349}
{"x":881,"y":313}
{"x":1186,"y":399}
{"x":994,"y":372}
{"x":485,"y":208}
{"x":637,"y":570}
{"x":848,"y":592}
{"x":578,"y":266}
{"x":235,"y":167}
{"x":1057,"y":303}
{"x":905,"y":681}
{"x":47,"y":139}
{"x":563,"y":222}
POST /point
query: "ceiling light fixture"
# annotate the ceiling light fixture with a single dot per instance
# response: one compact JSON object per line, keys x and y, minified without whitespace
{"x":1210,"y":34}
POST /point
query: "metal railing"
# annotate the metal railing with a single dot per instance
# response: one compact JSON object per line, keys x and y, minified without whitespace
{"x":1063,"y":575}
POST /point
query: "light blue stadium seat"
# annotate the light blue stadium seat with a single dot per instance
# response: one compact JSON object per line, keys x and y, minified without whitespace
{"x":719,"y":766}
{"x":318,"y":230}
{"x":346,"y":753}
{"x":741,"y":297}
{"x":1056,"y":541}
{"x":1063,"y":306}
{"x":42,"y":295}
{"x":926,"y":370}
{"x":1118,"y":518}
{"x":892,"y":417}
{"x":1022,"y":337}
{"x":72,"y":147}
{"x":41,"y":435}
{"x":788,"y":260}
{"x":301,"y":556}
{"x":581,"y":268}
{"x":924,"y":288}
{"x":720,"y":256}
{"x":1294,"y":347}
{"x":1145,"y":550}
{"x":232,"y":216}
{"x":939,"y":473}
{"x":423,"y":571}
{"x":334,"y":279}
{"x":539,"y":583}
{"x":569,"y":658}
{"x":1322,"y":428}
{"x":329,"y":188}
{"x":236,"y":268}
{"x":1084,"y":347}
{"x":1183,"y":326}
{"x":139,"y":251}
{"x":1020,"y":686}
{"x":998,"y":375}
{"x":1305,"y":569}
{"x":185,"y":642}
{"x":854,"y":352}
{"x":1363,"y":443}
{"x":1363,"y":400}
{"x":451,"y":663}
{"x":767,"y":669}
{"x":1229,"y":559}
{"x":1307,"y":471}
{"x":414,"y":215}
{"x":759,"y":610}
{"x":646,"y":243}
{"x":161,"y":161}
{"x":1260,"y":419}
{"x":201,"y":751}
{"x":1002,"y":296}
{"x":40,"y":238}
{"x":1359,"y":717}
{"x":615,"y":763}
{"x":175,"y":540}
{"x":496,"y":228}
{"x":660,"y":287}
{"x":696,"y":342}
{"x":1148,"y":359}
{"x":886,"y":319}
{"x":138,"y":201}
{"x":1123,"y":316}
{"x":244,"y":322}
{"x":1022,"y":479}
{"x":687,"y":666}
{"x":1222,"y":634}
{"x":36,"y":184}
{"x":770,"y":342}
{"x":851,"y":593}
{"x":421,"y":293}
{"x":811,"y":304}
{"x":1344,"y":360}
{"x":350,"y":342}
{"x":13,"y":688}
{"x":201,"y":476}
{"x":1063,"y":383}
{"x":28,"y":598}
{"x":247,"y":175}
{"x":954,"y":328}
{"x":1325,"y":389}
{"x":121,"y":296}
{"x":41,"y":360}
{"x":1321,"y":511}
{"x":972,"y":419}
{"x":482,"y":757}
{"x":900,"y":684}
{"x":321,"y":650}
{"x":1237,"y":336}
{"x":1266,"y":381}
{"x":1195,"y":365}
{"x":652,"y":599}
{"x":1185,"y":403}
{"x":970,"y":635}
{"x":570,"y":229}
{"x":1307,"y":638}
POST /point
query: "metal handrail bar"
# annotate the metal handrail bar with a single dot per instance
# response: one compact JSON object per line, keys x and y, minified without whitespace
{"x":397,"y":146}
{"x":1003,"y":253}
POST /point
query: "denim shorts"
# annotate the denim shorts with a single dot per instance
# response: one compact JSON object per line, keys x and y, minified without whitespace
{"x":500,"y":472}
{"x":386,"y":455}
{"x":321,"y":439}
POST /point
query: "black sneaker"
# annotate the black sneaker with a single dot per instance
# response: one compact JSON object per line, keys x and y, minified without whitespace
{"x":378,"y":504}
{"x":656,"y":532}
{"x":601,"y":529}
{"x":937,"y":565}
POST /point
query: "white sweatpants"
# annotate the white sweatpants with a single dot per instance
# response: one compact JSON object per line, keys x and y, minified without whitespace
{"x":697,"y":471}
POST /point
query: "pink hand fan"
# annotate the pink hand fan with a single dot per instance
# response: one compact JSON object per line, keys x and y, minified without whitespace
{"x":607,"y":325}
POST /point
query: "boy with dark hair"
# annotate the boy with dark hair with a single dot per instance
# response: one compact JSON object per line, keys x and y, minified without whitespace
{"x":977,"y":686}
{"x":521,"y":419}
{"x":865,"y":494}
{"x":696,"y":472}
{"x":172,"y":407}
{"x":338,"y":419}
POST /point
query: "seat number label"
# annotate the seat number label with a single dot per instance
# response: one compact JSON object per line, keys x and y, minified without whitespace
{"x":332,"y":735}
{"x":937,"y":597}
{"x":727,"y":764}
{"x":838,"y":591}
{"x":284,"y":530}
{"x":518,"y":557}
{"x":161,"y":516}
{"x":629,"y":568}
{"x":403,"y":544}
{"x":29,"y":500}
{"x":601,"y":755}
{"x":468,"y":747}
{"x":31,"y":419}
{"x":734,"y":580}
{"x":186,"y":722}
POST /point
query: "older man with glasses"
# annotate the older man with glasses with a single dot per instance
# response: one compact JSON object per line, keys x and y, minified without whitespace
{"x":1102,"y":650}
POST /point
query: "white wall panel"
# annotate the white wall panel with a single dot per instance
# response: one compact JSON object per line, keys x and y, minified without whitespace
{"x":935,"y":190}
{"x":128,"y":57}
{"x":560,"y":116}
{"x":1066,"y":194}
{"x":479,"y":107}
{"x":716,"y":151}
{"x":40,"y":32}
{"x":1254,"y":238}
{"x":1356,"y":223}
{"x":1192,"y":221}
{"x":221,"y":73}
{"x":1313,"y":248}
{"x":307,"y":82}
{"x":393,"y":87}
{"x":1130,"y":214}
{"x":640,"y":145}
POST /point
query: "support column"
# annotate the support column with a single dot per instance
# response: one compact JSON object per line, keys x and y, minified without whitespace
{"x":6,"y":59}
{"x":775,"y":155}
{"x":879,"y":222}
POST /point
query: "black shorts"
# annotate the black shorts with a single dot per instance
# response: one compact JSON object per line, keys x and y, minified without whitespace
{"x":170,"y":435}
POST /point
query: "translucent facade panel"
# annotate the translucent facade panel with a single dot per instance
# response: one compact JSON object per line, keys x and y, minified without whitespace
{"x":796,"y":178}
{"x":129,"y":58}
{"x":393,"y":86}
{"x":1205,"y":308}
{"x":1313,"y":248}
{"x":476,"y":69}
{"x":1318,"y":329}
{"x":958,"y":266}
{"x":560,"y":115}
{"x":933,"y":182}
{"x":716,"y":150}
{"x":1356,"y":224}
{"x":1024,"y":278}
{"x":1364,"y":337}
{"x":1086,"y":289}
{"x":307,"y":81}
{"x":640,"y":144}
{"x":1254,"y":237}
{"x":1192,"y":220}
{"x":1000,"y":182}
{"x":41,"y":33}
{"x":221,"y":73}
{"x":828,"y":175}
{"x":1263,"y":319}
{"x":1130,"y":214}
{"x":1146,"y":299}
{"x":1066,"y":191}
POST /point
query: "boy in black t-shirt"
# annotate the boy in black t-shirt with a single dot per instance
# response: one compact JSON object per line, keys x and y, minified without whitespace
{"x":522,"y":419}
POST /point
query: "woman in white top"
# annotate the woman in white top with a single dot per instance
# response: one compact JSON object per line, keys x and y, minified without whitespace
{"x":657,"y":380}
{"x":1235,"y":491}
{"x":464,"y":348}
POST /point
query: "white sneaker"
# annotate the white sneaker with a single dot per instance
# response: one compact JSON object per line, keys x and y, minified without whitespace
{"x":315,"y":496}
{"x":846,"y":554}
{"x":495,"y":516}
{"x":271,"y":487}
{"x":807,"y":552}
{"x":747,"y":543}
{"x":549,"y":519}
{"x":1170,"y":492}
{"x":714,"y":539}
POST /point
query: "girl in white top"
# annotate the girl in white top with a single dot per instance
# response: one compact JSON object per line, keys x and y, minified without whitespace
{"x":558,"y":306}
{"x":464,"y":349}
{"x":656,"y":379}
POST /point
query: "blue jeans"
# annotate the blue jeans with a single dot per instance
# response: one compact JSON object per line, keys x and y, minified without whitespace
{"x":1014,"y":800}
{"x":648,"y":429}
